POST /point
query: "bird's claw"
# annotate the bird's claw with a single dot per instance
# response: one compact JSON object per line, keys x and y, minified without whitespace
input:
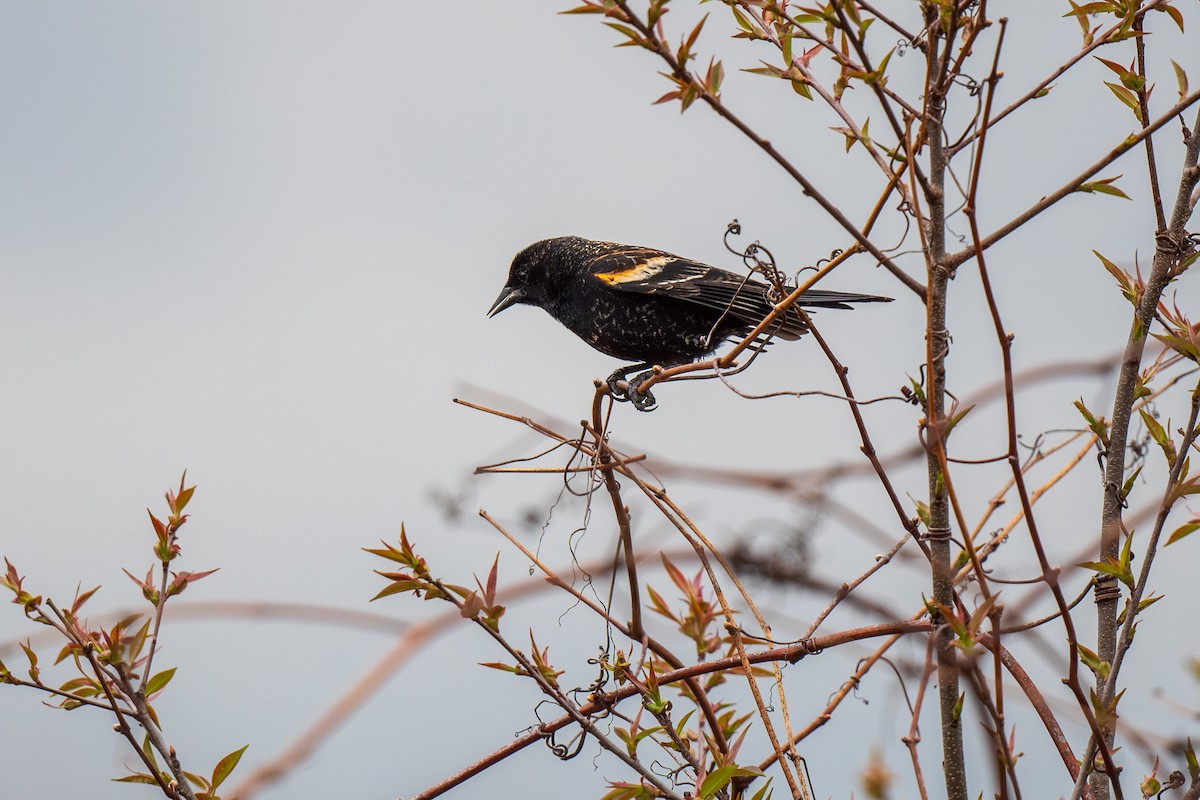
{"x":642,"y":401}
{"x":618,"y":386}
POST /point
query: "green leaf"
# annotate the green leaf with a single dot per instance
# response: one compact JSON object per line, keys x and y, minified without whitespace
{"x":201,"y":781}
{"x":137,"y":777}
{"x":764,"y":793}
{"x":226,"y":765}
{"x":1181,"y":79}
{"x":156,"y":684}
{"x":955,"y":419}
{"x":396,"y":588}
{"x":1128,"y":486}
{"x":1105,"y":568}
{"x":742,"y":21}
{"x":1128,"y":98}
{"x":1103,"y":186}
{"x":877,"y":77}
{"x":717,"y":780}
{"x":1183,"y":530}
{"x":1097,"y":426}
{"x":1160,"y":437}
{"x":1092,"y":661}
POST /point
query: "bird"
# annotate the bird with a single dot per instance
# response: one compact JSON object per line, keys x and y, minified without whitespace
{"x":648,"y":306}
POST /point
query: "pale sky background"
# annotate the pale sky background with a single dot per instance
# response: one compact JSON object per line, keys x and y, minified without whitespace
{"x":257,"y":241}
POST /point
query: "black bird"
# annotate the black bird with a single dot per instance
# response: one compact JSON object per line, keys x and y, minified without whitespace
{"x":647,"y":306}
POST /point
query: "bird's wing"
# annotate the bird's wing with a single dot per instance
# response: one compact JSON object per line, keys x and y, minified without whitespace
{"x":653,"y":272}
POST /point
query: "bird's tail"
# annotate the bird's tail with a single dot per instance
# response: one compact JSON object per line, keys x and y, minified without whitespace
{"x":819,"y":298}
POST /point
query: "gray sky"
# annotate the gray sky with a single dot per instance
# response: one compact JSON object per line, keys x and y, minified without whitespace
{"x":257,"y":241}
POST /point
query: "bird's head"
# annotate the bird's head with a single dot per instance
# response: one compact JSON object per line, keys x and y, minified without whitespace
{"x":537,"y":274}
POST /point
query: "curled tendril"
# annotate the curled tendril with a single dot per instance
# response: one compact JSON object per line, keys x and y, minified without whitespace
{"x":970,"y":84}
{"x":564,"y":752}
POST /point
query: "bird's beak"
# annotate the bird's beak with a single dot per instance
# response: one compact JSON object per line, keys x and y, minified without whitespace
{"x":508,"y":296}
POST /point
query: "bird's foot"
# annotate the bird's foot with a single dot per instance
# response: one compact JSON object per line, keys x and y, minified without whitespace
{"x":625,"y":389}
{"x":642,"y":401}
{"x":618,"y":385}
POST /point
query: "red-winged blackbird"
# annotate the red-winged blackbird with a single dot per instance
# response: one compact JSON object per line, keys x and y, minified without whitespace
{"x":645,"y":305}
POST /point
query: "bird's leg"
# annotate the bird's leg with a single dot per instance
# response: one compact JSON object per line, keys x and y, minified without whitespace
{"x":642,"y":401}
{"x":618,"y":382}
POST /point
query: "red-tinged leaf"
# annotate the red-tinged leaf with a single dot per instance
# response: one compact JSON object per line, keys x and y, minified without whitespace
{"x":1128,"y":288}
{"x":715,"y":77}
{"x":490,"y":592}
{"x":586,"y":9}
{"x":145,"y":585}
{"x":226,"y":765}
{"x":1184,"y":489}
{"x":184,"y":497}
{"x":397,"y":588}
{"x":159,"y":527}
{"x":691,"y":40}
{"x":1172,"y":12}
{"x":660,"y":606}
{"x":471,"y":606}
{"x":31,"y":656}
{"x":159,"y":681}
{"x":1180,"y":345}
{"x":68,"y":649}
{"x":666,"y":98}
{"x":80,"y":599}
{"x":1183,"y":530}
{"x":1114,"y":66}
{"x":677,"y":576}
{"x":81,"y":687}
{"x":182,"y":580}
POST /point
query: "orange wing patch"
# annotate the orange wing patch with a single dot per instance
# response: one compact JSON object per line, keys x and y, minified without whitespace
{"x":642,"y":271}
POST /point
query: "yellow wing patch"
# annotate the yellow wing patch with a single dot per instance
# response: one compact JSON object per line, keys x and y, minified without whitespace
{"x":646,"y":269}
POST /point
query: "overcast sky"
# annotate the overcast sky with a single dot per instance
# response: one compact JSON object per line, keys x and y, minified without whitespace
{"x":257,"y":241}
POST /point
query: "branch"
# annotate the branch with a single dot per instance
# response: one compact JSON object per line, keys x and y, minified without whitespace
{"x":955,"y":259}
